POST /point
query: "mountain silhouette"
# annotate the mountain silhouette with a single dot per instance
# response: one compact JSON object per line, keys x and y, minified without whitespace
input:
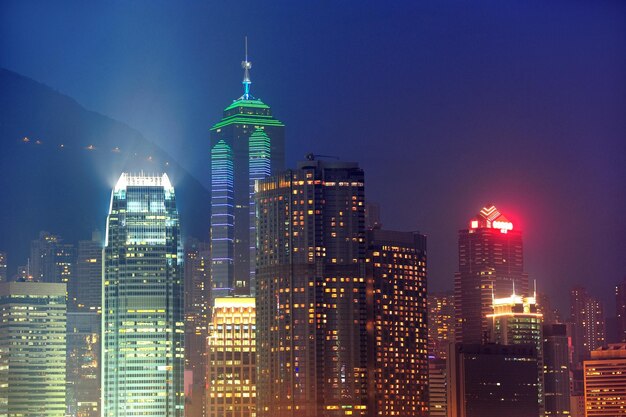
{"x":59,"y":161}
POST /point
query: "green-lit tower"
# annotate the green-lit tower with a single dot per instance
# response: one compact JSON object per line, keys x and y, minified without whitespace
{"x":142,"y":309}
{"x":248,"y":144}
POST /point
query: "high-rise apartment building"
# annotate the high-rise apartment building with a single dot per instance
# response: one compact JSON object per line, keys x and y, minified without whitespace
{"x":85,"y":291}
{"x":491,"y":380}
{"x":396,"y":284}
{"x":3,"y":267}
{"x":491,"y":263}
{"x":620,"y":309}
{"x":311,"y":292}
{"x":248,"y":144}
{"x":605,"y":382}
{"x":440,"y":323}
{"x":83,"y":364}
{"x":556,"y":370}
{"x":142,"y":312}
{"x":231,"y":378}
{"x":516,"y":321}
{"x":32,"y":349}
{"x":587,"y":316}
{"x":197,"y":312}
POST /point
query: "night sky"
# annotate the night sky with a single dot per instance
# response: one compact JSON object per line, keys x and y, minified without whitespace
{"x":447,"y":105}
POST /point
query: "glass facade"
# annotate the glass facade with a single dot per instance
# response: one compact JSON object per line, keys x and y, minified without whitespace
{"x":142,"y":313}
{"x":32,"y":349}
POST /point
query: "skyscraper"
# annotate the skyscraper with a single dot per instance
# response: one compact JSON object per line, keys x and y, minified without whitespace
{"x":85,"y":291}
{"x":142,"y":312}
{"x":83,"y":364}
{"x":556,"y":370}
{"x":197,"y":298}
{"x":311,"y":292}
{"x":587,"y":315}
{"x":231,"y":380}
{"x":248,"y":144}
{"x":51,"y":260}
{"x":3,"y":267}
{"x":620,"y":309}
{"x":440,"y":323}
{"x":32,"y":349}
{"x":605,"y":382}
{"x":491,"y":380}
{"x":396,"y":280}
{"x":491,"y":263}
{"x":516,"y":321}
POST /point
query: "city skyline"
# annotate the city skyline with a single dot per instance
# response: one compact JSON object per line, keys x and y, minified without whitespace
{"x":483,"y":89}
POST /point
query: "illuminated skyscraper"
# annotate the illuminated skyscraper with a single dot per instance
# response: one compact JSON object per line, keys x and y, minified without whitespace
{"x":311,"y":293}
{"x":32,"y":349}
{"x":491,"y":380}
{"x":51,"y":260}
{"x":605,"y":382}
{"x":516,"y":321}
{"x":620,"y":310}
{"x":587,"y":315}
{"x":491,"y":263}
{"x":85,"y":291}
{"x":248,"y":144}
{"x":396,"y":280}
{"x":197,"y":296}
{"x":231,"y":381}
{"x":440,"y":323}
{"x":556,"y":370}
{"x":142,"y":312}
{"x":3,"y":267}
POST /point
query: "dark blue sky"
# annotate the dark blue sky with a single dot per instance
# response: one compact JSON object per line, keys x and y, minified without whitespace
{"x":446,"y":104}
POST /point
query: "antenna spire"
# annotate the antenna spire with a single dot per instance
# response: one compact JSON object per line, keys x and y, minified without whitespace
{"x":246,"y":65}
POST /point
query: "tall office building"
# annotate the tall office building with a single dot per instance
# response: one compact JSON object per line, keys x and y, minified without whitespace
{"x":516,"y":321}
{"x":605,"y":382}
{"x":248,"y":144}
{"x":587,"y":316}
{"x":492,"y":380}
{"x":142,"y":312}
{"x":32,"y":349}
{"x":85,"y":291}
{"x":556,"y":370}
{"x":231,"y":380}
{"x":311,"y":292}
{"x":440,"y":324}
{"x":42,"y":257}
{"x":437,"y":387}
{"x":197,"y":298}
{"x":3,"y":267}
{"x":491,"y":263}
{"x":396,"y":284}
{"x":83,"y":364}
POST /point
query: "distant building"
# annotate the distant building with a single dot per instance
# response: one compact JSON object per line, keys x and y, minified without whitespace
{"x":620,"y":309}
{"x":556,"y":370}
{"x":372,"y":216}
{"x":551,"y":314}
{"x":396,"y":280}
{"x":3,"y":267}
{"x":85,"y":291}
{"x":197,"y":313}
{"x":491,"y":263}
{"x":32,"y":349}
{"x":248,"y":144}
{"x":51,"y":260}
{"x":440,"y":323}
{"x":83,"y":364}
{"x":577,"y":405}
{"x":231,"y":380}
{"x":311,"y":292}
{"x":587,"y":315}
{"x":492,"y":381}
{"x":605,"y":382}
{"x":516,"y":321}
{"x":142,"y":313}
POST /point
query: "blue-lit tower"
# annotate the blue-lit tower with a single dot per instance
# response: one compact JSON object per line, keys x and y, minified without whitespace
{"x":248,"y":144}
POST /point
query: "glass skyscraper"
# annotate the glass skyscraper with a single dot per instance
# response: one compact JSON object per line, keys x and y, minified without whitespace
{"x":142,"y":312}
{"x":248,"y":144}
